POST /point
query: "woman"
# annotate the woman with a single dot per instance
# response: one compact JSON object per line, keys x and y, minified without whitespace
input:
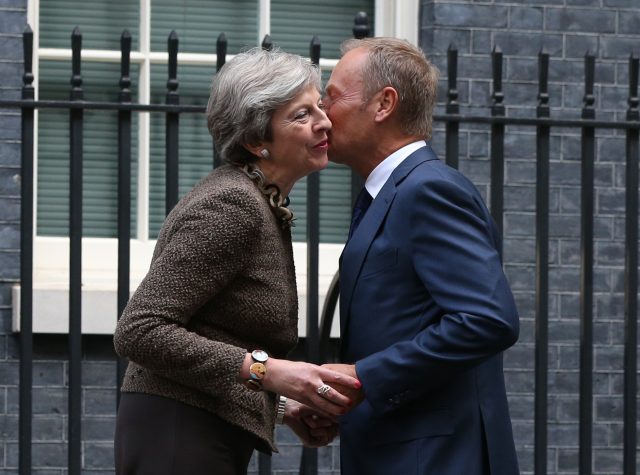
{"x":207,"y":330}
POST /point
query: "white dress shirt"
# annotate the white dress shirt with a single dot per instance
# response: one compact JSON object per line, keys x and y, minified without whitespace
{"x":380,"y":174}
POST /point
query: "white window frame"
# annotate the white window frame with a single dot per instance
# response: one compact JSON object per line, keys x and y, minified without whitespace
{"x":396,"y":18}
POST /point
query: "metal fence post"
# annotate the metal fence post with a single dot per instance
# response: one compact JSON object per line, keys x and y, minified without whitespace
{"x":172,"y":132}
{"x":542,"y":269}
{"x":586,"y":277}
{"x":631,"y":277}
{"x":453,"y":108}
{"x":221,"y":58}
{"x":75,"y":263}
{"x":124,"y":190}
{"x":497,"y":143}
{"x":26,"y":260}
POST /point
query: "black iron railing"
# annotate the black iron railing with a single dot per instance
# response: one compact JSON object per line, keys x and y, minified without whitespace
{"x":317,"y":345}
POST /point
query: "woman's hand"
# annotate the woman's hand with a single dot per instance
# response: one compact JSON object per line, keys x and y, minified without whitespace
{"x":302,"y":382}
{"x":313,"y":429}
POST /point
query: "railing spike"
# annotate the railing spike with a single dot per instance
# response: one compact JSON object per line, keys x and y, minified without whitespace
{"x":588,"y":111}
{"x":361,"y":25}
{"x":314,"y":50}
{"x":125,"y":62}
{"x":76,"y":52}
{"x":452,"y":80}
{"x":267,"y":43}
{"x":27,"y":39}
{"x":543,"y":84}
{"x":172,"y":81}
{"x":633,"y":101}
{"x":221,"y":50}
{"x":497,"y":96}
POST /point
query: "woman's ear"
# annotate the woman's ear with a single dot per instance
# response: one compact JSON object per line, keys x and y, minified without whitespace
{"x":260,"y":151}
{"x":386,"y":103}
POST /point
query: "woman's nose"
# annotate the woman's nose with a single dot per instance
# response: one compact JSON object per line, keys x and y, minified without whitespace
{"x":324,"y":123}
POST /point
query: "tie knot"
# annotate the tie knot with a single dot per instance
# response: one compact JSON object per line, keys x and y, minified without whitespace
{"x":363,"y":201}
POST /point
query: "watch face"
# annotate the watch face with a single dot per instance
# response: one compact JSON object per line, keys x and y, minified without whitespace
{"x":257,"y":370}
{"x":260,"y":355}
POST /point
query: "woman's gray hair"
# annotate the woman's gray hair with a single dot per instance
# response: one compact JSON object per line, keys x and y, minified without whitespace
{"x":247,"y":91}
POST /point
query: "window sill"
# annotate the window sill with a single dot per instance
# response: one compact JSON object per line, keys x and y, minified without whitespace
{"x":99,"y":294}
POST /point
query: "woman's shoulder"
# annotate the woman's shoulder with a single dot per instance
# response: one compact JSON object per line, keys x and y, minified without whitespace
{"x":228,"y":183}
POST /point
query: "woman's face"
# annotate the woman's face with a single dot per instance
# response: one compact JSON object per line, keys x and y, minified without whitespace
{"x":299,"y":131}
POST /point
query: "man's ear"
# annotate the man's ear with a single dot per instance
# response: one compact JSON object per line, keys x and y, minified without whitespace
{"x":386,"y":101}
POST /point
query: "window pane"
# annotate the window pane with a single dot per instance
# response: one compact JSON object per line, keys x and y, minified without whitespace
{"x":101,"y":22}
{"x":295,"y":22}
{"x":100,"y":160}
{"x":199,"y":22}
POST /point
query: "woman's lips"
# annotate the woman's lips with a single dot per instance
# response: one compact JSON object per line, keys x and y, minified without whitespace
{"x":324,"y":145}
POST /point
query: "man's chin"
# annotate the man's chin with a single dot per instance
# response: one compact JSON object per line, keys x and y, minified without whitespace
{"x":334,"y":157}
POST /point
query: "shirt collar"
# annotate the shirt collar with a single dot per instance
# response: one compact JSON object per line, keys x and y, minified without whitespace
{"x":380,"y":174}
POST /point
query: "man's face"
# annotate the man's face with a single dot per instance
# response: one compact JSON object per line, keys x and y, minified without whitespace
{"x":345,"y":108}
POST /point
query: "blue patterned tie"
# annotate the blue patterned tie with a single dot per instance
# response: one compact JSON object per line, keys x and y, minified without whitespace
{"x":363,"y":201}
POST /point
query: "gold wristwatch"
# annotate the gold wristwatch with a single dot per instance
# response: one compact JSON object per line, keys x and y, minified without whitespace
{"x":257,"y":370}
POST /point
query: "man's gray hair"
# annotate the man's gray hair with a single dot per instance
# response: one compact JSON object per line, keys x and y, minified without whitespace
{"x":247,"y":91}
{"x":399,"y":64}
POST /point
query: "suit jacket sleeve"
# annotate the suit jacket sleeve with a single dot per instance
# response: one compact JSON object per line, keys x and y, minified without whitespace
{"x":453,"y":245}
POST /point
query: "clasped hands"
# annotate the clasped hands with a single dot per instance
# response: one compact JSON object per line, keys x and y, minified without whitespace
{"x":317,"y":427}
{"x":317,"y":395}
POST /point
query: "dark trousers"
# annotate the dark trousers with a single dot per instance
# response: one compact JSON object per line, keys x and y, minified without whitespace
{"x":160,"y":436}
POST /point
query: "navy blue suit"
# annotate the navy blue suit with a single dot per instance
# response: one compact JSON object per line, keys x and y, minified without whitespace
{"x":426,"y":313}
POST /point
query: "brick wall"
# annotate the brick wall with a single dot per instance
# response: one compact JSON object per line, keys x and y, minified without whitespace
{"x":566,"y":29}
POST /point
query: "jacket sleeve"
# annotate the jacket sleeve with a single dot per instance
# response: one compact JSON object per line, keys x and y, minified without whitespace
{"x":452,"y":241}
{"x":204,"y":252}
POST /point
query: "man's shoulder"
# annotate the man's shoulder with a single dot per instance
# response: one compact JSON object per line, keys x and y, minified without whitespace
{"x":434,"y":177}
{"x":436,"y":170}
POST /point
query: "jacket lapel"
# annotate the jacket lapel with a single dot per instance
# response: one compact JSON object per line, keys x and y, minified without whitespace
{"x":356,"y":249}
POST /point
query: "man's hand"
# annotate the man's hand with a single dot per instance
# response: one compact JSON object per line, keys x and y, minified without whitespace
{"x":314,"y":429}
{"x":356,"y":395}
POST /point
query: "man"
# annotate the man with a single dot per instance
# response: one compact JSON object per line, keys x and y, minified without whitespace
{"x":425,"y":308}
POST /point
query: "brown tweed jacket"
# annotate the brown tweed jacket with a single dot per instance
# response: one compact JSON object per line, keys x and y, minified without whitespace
{"x":221,"y":283}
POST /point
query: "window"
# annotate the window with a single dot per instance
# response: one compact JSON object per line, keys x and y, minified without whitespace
{"x":291,"y":24}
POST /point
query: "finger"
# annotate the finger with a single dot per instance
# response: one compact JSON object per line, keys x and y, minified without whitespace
{"x":336,"y":397}
{"x":330,"y":376}
{"x":325,"y":407}
{"x":311,"y":421}
{"x":306,"y":411}
{"x":315,"y":421}
{"x":316,"y":404}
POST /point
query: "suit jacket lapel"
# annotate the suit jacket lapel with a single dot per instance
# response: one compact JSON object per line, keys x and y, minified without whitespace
{"x":356,"y":249}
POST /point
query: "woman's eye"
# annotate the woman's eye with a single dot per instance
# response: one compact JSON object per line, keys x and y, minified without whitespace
{"x":301,"y":115}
